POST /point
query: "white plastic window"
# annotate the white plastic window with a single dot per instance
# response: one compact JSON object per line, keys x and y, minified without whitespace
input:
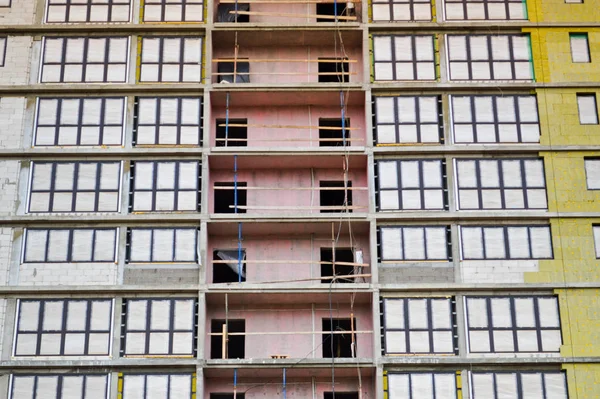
{"x":501,"y":184}
{"x":513,"y":324}
{"x":414,"y":243}
{"x":84,"y":60}
{"x":495,"y":119}
{"x":401,"y":10}
{"x":418,"y":325}
{"x":506,"y":242}
{"x":75,"y":187}
{"x":79,"y":121}
{"x":489,"y":57}
{"x":158,"y":386}
{"x":2,"y":50}
{"x":70,"y":245}
{"x":408,"y":119}
{"x":588,"y":109}
{"x":592,"y":173}
{"x":421,"y":385}
{"x":519,"y":385}
{"x":597,"y":240}
{"x":171,"y":59}
{"x":399,"y":57}
{"x":88,"y":11}
{"x":59,"y":386}
{"x":5,"y":3}
{"x":63,"y":327}
{"x":411,"y":184}
{"x":168,"y":121}
{"x":459,"y":10}
{"x":163,"y":245}
{"x":173,"y":10}
{"x":580,"y":48}
{"x":164,"y":326}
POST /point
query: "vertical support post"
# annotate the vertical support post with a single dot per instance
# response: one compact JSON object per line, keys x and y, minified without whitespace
{"x":353,"y":345}
{"x":343,"y":109}
{"x":227,"y":120}
{"x":224,"y":343}
{"x":284,"y":388}
{"x":234,"y":383}
{"x":335,"y":5}
{"x":240,"y":252}
{"x":235,"y":205}
{"x":333,"y":252}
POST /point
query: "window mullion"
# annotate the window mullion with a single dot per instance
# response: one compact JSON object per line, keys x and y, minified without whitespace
{"x":148,"y":332}
{"x":84,"y":59}
{"x":172,"y":325}
{"x":488,"y":40}
{"x":488,"y":304}
{"x":406,"y":320}
{"x":154,"y":184}
{"x":176,"y":189}
{"x":63,"y":329}
{"x":102,"y":120}
{"x":400,"y":188}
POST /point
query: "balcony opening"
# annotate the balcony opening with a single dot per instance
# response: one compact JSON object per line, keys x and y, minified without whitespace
{"x":226,"y":12}
{"x":233,"y":132}
{"x":341,"y":255}
{"x":225,"y":199}
{"x":236,"y":344}
{"x":339,"y":395}
{"x":230,"y":396}
{"x":336,"y":198}
{"x":226,"y":71}
{"x":341,"y":346}
{"x":333,"y":137}
{"x":228,"y":272}
{"x":331,"y":9}
{"x":336,"y":72}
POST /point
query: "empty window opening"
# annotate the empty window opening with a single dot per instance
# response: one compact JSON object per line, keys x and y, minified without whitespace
{"x":227,"y":396}
{"x":336,"y":72}
{"x":225,"y":199}
{"x":225,"y":130}
{"x":335,"y":198}
{"x":340,"y":395}
{"x":228,"y":272}
{"x":226,"y":12}
{"x":341,"y":255}
{"x":341,"y":343}
{"x":333,"y":137}
{"x":332,"y":10}
{"x":241,"y":70}
{"x":235,"y":347}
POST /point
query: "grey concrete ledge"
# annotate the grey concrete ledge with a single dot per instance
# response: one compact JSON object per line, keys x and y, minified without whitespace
{"x":103,"y":28}
{"x":510,"y":149}
{"x":268,"y":151}
{"x":129,"y":219}
{"x":388,"y":290}
{"x":68,"y":290}
{"x":288,"y":363}
{"x":184,"y":89}
{"x":470,"y":26}
{"x":119,"y":363}
{"x":482,"y":361}
{"x":89,"y":153}
{"x":476,"y":86}
{"x":483,"y":216}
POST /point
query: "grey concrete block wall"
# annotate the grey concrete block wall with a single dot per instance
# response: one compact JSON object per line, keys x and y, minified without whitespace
{"x":496,"y":271}
{"x":2,"y":319}
{"x":9,"y":177}
{"x":19,"y":13}
{"x":12,"y":112}
{"x":17,"y":62}
{"x":6,"y":240}
{"x":415,"y":272}
{"x":68,"y":274}
{"x":158,"y":276}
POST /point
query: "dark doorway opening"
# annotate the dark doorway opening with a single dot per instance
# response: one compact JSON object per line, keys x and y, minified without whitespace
{"x":233,"y":132}
{"x":342,"y":339}
{"x":225,"y":199}
{"x":341,"y":255}
{"x":236,"y":344}
{"x":335,"y":197}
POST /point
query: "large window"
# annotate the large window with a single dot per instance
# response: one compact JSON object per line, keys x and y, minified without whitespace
{"x":88,"y":11}
{"x":506,"y":242}
{"x":592,"y":173}
{"x":171,"y":59}
{"x":513,"y":324}
{"x":419,"y":325}
{"x":84,"y":60}
{"x":79,"y":121}
{"x":2,"y":51}
{"x":63,"y":327}
{"x":495,"y":119}
{"x":158,"y":386}
{"x":414,"y":243}
{"x":59,"y":386}
{"x":501,"y":184}
{"x":411,"y":184}
{"x":75,"y":187}
{"x":70,"y":245}
{"x":458,"y":10}
{"x":596,"y":232}
{"x":159,"y":327}
{"x":173,"y":10}
{"x":421,"y":385}
{"x":408,"y":119}
{"x":165,"y":186}
{"x":588,"y":108}
{"x":175,"y":245}
{"x":404,"y":57}
{"x":580,"y":47}
{"x":519,"y":385}
{"x":168,"y":121}
{"x":487,"y":57}
{"x":401,"y":10}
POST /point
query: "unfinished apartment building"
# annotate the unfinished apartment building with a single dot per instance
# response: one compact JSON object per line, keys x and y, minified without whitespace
{"x":304,"y":199}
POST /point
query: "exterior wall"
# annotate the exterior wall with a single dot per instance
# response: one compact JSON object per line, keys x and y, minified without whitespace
{"x":582,"y":380}
{"x":12,"y":112}
{"x":68,"y":274}
{"x":580,"y":317}
{"x":422,"y":272}
{"x":560,"y":11}
{"x":9,"y":177}
{"x":497,"y":271}
{"x":6,"y":239}
{"x":17,"y":63}
{"x":20,"y":12}
{"x":158,"y":276}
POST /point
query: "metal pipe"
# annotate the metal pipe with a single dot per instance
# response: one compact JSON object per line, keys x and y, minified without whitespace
{"x":284,"y":388}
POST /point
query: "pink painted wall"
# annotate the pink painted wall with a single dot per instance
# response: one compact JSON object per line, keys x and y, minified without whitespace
{"x":290,"y":178}
{"x":305,"y":72}
{"x":291,"y":116}
{"x":285,"y":249}
{"x":292,"y":319}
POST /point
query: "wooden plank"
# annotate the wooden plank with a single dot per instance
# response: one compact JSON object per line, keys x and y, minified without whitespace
{"x":292,"y":188}
{"x":329,"y":60}
{"x":295,"y":262}
{"x":293,"y":208}
{"x":284,"y":14}
{"x":285,"y":127}
{"x":285,"y":73}
{"x":295,"y":333}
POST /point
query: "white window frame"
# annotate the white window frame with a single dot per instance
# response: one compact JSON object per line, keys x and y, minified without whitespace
{"x":170,"y":394}
{"x":36,"y":386}
{"x":3,"y":49}
{"x":524,"y":386}
{"x":415,"y":335}
{"x":40,"y":332}
{"x":574,"y":1}
{"x":166,"y":5}
{"x":152,"y":258}
{"x":82,"y":123}
{"x":71,"y":243}
{"x":408,"y":230}
{"x":484,"y":188}
{"x":417,"y":386}
{"x":85,"y":64}
{"x":511,"y":7}
{"x":517,"y":332}
{"x":52,"y":191}
{"x":160,"y":66}
{"x":506,"y":232}
{"x":113,"y":8}
{"x":394,"y":112}
{"x":498,"y":119}
{"x":398,"y":8}
{"x":592,"y":173}
{"x":515,"y":62}
{"x":395,"y":61}
{"x":580,"y":47}
{"x":591,"y":108}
